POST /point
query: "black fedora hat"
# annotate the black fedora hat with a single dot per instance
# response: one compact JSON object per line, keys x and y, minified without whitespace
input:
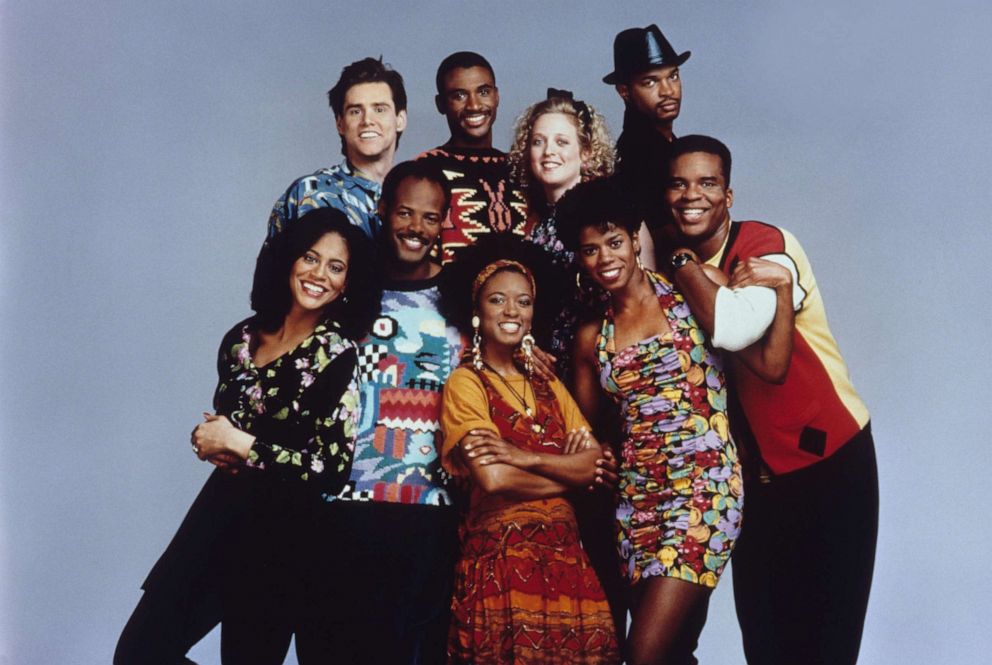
{"x":639,"y":49}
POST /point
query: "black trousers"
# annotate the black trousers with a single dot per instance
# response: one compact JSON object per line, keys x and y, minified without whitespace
{"x":803,"y":565}
{"x":356,"y":583}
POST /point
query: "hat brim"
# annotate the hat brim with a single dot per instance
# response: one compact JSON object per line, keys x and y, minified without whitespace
{"x":614,"y":78}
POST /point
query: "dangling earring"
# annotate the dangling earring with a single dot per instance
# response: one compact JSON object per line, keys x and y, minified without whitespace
{"x":527,"y":344}
{"x":476,"y":344}
{"x":578,"y":280}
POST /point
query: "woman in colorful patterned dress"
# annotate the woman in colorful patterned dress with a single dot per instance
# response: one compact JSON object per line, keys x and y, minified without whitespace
{"x":679,"y":509}
{"x":524,"y":590}
{"x":557,"y":143}
{"x":281,"y":437}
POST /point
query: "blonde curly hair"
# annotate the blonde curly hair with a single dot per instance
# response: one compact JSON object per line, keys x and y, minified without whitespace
{"x":594,"y":139}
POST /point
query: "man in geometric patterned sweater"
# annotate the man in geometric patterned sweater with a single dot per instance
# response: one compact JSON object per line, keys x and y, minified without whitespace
{"x":803,"y":565}
{"x":369,"y":104}
{"x":482,"y":199}
{"x":396,"y":516}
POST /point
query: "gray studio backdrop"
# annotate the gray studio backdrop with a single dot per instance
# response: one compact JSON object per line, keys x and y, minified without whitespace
{"x":143,"y":144}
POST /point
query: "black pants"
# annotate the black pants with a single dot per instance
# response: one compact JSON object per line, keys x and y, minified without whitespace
{"x":803,"y":565}
{"x":356,"y":583}
{"x":385,"y":593}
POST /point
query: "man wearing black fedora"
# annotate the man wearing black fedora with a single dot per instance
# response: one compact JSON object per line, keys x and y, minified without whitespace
{"x":646,"y":76}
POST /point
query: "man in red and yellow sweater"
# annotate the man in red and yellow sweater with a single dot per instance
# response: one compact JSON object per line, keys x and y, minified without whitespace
{"x":803,"y":566}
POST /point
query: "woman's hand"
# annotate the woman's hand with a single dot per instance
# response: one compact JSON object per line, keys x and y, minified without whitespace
{"x":218,"y":438}
{"x":485,"y":447}
{"x":761,"y":272}
{"x":606,"y":471}
{"x":578,"y":440}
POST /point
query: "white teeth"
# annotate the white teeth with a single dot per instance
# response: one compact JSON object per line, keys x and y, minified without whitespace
{"x":611,"y":273}
{"x":313,"y":289}
{"x":368,"y":135}
{"x":692,"y":212}
{"x":509,"y":326}
{"x":412,"y":243}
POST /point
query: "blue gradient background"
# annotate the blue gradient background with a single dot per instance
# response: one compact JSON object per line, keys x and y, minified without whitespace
{"x":142,"y":146}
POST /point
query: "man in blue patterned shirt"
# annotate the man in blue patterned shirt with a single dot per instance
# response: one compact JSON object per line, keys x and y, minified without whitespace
{"x":395,"y":526}
{"x":369,"y":104}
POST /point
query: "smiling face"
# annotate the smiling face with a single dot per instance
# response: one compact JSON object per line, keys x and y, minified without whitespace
{"x":369,"y":123}
{"x":414,"y":222}
{"x":608,"y":256}
{"x":700,"y":199}
{"x":556,"y":154}
{"x":318,"y":277}
{"x":656,"y":94}
{"x":505,"y":309}
{"x":469,"y":103}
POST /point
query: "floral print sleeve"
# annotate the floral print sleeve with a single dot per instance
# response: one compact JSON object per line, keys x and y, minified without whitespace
{"x":302,"y":407}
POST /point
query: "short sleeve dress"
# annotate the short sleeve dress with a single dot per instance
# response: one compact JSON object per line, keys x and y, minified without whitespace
{"x":681,"y":493}
{"x":525,"y":592}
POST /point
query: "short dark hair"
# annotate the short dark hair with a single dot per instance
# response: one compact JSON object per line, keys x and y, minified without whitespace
{"x":417,"y":170}
{"x":457,"y":278}
{"x":367,"y":70}
{"x":354,"y":310}
{"x":460,"y":60}
{"x":599,"y":203}
{"x":699,"y":143}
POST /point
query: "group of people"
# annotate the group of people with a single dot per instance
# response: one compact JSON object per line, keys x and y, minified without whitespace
{"x":490,"y":405}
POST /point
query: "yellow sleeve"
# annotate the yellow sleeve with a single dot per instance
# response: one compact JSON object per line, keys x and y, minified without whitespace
{"x":569,"y":409}
{"x":464,"y":407}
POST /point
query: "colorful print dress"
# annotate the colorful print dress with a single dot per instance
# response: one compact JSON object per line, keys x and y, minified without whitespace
{"x":681,"y":494}
{"x":525,"y":592}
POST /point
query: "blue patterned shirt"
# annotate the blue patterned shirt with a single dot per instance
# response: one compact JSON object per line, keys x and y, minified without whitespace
{"x":337,"y":187}
{"x":403,"y":365}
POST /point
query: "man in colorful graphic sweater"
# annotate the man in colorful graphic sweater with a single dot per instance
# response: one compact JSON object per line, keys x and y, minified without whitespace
{"x":482,"y":199}
{"x":396,"y":513}
{"x":803,"y":566}
{"x":369,"y":104}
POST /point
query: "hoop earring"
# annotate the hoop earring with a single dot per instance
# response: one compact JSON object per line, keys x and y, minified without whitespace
{"x":476,"y":344}
{"x":527,"y":345}
{"x":578,"y":280}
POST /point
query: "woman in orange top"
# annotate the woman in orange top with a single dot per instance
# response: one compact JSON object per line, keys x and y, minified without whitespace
{"x":524,"y":589}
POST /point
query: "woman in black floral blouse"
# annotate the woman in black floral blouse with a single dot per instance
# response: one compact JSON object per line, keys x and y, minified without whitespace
{"x":282,"y":436}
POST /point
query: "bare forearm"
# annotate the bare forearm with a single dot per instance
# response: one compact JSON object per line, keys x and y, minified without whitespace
{"x":699,"y":292}
{"x":771,"y":356}
{"x":576,"y":470}
{"x":508,"y":480}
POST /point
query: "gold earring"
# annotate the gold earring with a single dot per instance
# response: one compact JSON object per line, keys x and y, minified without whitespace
{"x":527,"y":344}
{"x":476,"y":344}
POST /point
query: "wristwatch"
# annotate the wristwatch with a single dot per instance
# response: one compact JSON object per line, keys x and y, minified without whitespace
{"x":682,"y":258}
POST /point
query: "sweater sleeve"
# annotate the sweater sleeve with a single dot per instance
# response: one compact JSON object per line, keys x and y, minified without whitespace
{"x":741,"y":316}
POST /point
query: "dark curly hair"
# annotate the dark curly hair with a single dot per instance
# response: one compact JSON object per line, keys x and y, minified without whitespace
{"x":457,"y":278}
{"x":600,"y":203}
{"x":354,"y":310}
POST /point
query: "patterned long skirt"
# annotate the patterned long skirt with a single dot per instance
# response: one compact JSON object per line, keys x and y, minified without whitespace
{"x":525,"y":592}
